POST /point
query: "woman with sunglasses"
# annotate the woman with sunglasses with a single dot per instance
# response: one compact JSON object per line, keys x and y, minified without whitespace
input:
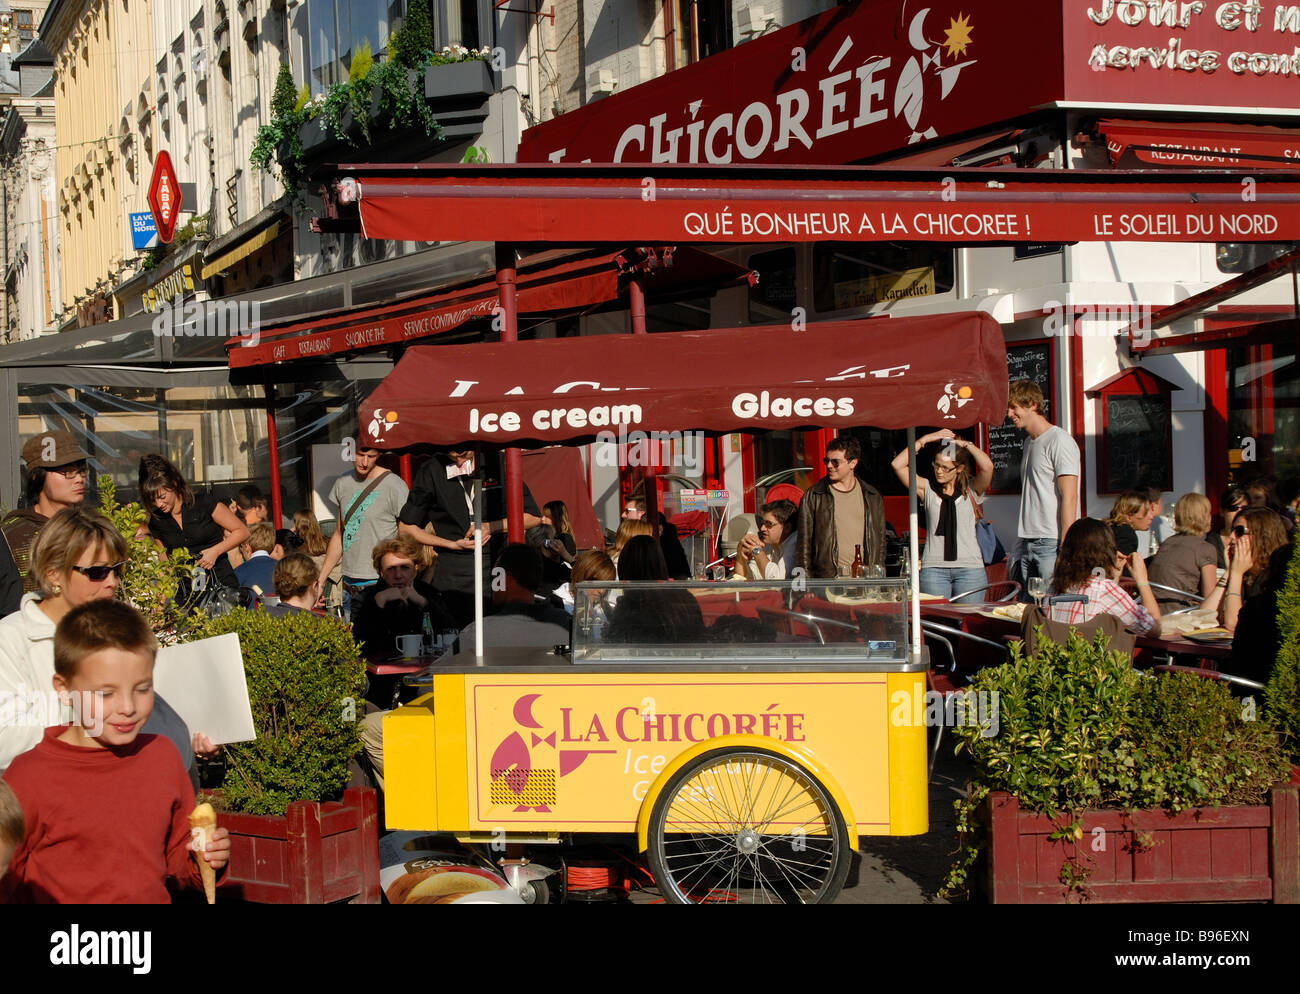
{"x":769,"y":555}
{"x":1232,"y":503}
{"x":1257,"y":533}
{"x":952,"y":562}
{"x":78,"y":557}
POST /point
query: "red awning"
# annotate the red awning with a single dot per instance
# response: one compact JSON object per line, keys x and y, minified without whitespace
{"x":547,"y":286}
{"x":985,"y":151}
{"x":586,"y":205}
{"x":948,"y":370}
{"x":1202,"y":145}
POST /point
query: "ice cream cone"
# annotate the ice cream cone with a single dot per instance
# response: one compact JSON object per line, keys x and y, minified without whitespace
{"x":202,"y":822}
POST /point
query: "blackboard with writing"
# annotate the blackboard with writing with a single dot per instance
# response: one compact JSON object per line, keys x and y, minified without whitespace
{"x":1032,"y":361}
{"x":1137,"y":442}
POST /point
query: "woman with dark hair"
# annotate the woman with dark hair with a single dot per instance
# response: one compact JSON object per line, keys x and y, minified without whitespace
{"x":958,"y":476}
{"x":1257,"y":533}
{"x":206,"y":528}
{"x":556,"y":514}
{"x":1089,"y":564}
{"x":769,"y":555}
{"x":663,"y":615}
{"x":1232,"y":503}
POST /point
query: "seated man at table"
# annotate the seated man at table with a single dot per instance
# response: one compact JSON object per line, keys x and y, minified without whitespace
{"x":398,"y":604}
{"x":518,"y":618}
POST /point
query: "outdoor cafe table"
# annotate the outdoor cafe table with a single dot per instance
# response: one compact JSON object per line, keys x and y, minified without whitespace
{"x":978,"y":619}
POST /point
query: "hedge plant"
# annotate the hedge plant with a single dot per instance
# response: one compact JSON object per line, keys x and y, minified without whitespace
{"x":305,"y":683}
{"x":1282,"y":694}
{"x":1079,"y":728}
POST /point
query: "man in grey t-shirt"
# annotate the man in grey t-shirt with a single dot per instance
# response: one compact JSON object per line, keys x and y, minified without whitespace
{"x":1049,"y":478}
{"x":366,"y":504}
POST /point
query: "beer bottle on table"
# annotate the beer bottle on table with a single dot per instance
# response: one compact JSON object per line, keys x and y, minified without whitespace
{"x":857,"y":570}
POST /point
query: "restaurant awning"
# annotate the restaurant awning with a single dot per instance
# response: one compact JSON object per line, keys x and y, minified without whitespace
{"x":948,"y":370}
{"x":551,"y":283}
{"x":1201,"y":144}
{"x":589,"y":204}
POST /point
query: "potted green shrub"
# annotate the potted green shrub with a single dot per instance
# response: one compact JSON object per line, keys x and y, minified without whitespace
{"x":1282,"y":694}
{"x":1108,"y":784}
{"x":296,"y":835}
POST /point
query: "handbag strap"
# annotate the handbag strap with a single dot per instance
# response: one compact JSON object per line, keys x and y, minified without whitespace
{"x":360,"y":497}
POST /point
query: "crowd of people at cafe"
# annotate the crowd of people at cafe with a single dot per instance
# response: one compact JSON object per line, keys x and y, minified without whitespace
{"x":399,"y":561}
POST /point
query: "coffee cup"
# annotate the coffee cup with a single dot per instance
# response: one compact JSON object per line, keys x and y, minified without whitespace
{"x":410,"y":645}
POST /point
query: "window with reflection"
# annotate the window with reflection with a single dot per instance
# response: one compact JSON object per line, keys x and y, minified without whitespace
{"x":852,"y":275}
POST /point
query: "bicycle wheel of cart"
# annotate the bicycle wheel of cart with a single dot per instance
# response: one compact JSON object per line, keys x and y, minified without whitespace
{"x":747,"y":826}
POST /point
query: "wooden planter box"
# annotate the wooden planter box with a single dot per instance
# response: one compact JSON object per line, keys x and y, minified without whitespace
{"x":315,"y":854}
{"x":1228,"y":854}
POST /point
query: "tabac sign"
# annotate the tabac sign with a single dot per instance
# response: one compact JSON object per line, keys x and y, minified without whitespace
{"x":164,"y":197}
{"x":856,"y":81}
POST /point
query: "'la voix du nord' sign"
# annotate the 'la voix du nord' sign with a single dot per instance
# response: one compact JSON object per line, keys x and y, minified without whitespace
{"x":862,"y":80}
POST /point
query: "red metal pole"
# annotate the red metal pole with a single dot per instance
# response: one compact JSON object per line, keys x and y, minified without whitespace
{"x":514,"y":468}
{"x":272,"y":447}
{"x":636,"y":298}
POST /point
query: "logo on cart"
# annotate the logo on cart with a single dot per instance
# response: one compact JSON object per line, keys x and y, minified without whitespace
{"x":954,"y":399}
{"x":381,"y":423}
{"x":528,"y":764}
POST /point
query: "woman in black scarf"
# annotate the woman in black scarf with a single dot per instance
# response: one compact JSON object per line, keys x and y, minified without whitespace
{"x":952,"y":563}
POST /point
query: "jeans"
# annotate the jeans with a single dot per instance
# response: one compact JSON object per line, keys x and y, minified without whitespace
{"x":1032,"y":557}
{"x":352,"y":597}
{"x":948,"y":581}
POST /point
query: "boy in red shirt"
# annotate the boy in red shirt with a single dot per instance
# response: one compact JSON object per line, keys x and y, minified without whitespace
{"x":106,"y":809}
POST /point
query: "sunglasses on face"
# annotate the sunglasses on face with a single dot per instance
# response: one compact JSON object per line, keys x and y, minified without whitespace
{"x":832,"y":463}
{"x":98,"y":574}
{"x":72,"y":471}
{"x":1239,"y":507}
{"x":768,"y":524}
{"x":947,"y":469}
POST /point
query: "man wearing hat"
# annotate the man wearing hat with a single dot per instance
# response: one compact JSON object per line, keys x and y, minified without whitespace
{"x":56,"y":478}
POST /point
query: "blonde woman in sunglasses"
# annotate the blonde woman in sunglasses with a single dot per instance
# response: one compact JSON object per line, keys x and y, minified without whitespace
{"x":78,"y":557}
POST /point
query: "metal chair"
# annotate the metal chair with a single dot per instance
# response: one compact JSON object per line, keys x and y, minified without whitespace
{"x":784,"y":620}
{"x":950,"y":680}
{"x":1170,"y":593}
{"x":1228,"y":678}
{"x":1007,"y":590}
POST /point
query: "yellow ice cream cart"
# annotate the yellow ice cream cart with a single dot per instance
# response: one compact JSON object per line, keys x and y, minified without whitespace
{"x":747,"y":755}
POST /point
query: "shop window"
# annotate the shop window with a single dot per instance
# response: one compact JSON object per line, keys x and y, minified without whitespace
{"x":24,"y":25}
{"x":1263,"y":412}
{"x":312,"y":421}
{"x":855,"y":275}
{"x":1242,"y":257}
{"x":682,"y":315}
{"x":215,"y":435}
{"x":773,"y":297}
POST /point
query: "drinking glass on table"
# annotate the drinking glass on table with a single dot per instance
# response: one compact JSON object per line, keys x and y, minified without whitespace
{"x":1038,"y":589}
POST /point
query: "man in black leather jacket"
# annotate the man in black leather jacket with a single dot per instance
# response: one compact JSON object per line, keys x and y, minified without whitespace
{"x":820,"y":551}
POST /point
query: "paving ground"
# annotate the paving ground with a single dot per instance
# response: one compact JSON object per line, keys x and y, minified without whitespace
{"x":910,"y":870}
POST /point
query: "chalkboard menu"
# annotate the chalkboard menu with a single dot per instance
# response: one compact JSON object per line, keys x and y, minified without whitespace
{"x":1028,"y":361}
{"x":1137,"y":442}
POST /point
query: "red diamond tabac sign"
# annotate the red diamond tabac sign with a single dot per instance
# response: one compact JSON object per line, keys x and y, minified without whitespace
{"x":164,"y":197}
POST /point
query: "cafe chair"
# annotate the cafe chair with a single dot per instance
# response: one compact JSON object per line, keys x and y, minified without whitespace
{"x":1001,"y":592}
{"x":800,"y":624}
{"x":1161,"y":592}
{"x":1228,"y":678}
{"x":1121,"y":640}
